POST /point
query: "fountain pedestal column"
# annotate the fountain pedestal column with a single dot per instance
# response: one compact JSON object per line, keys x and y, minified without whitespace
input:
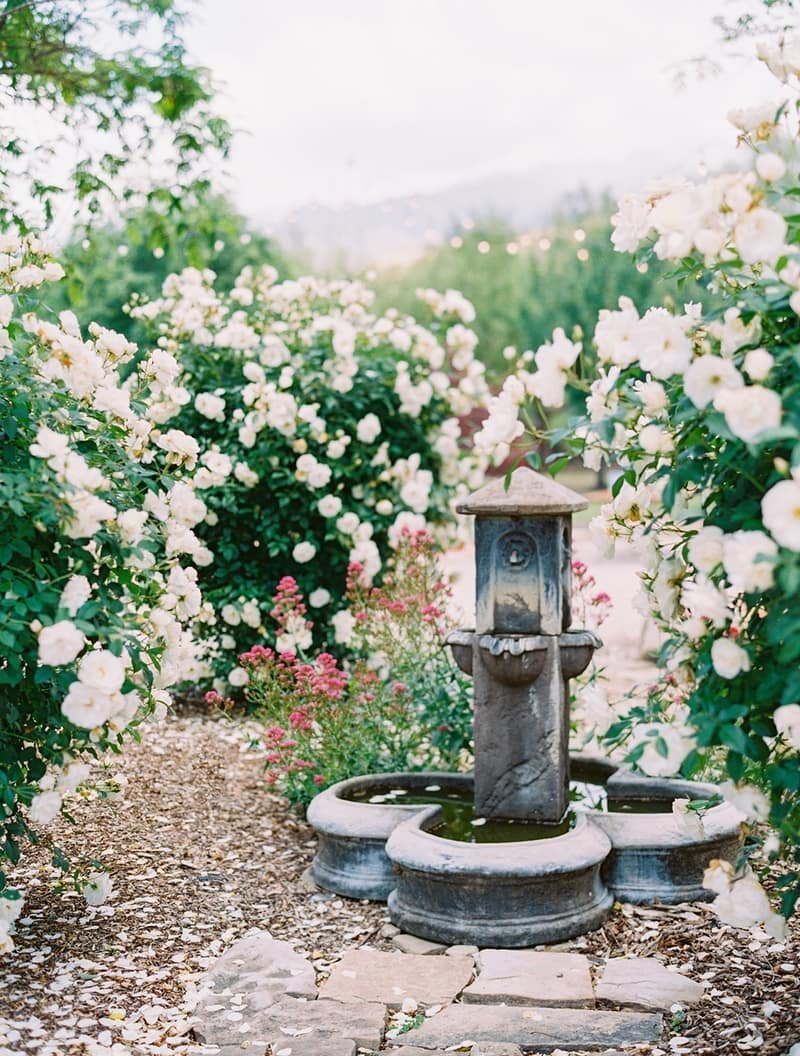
{"x":522,"y":651}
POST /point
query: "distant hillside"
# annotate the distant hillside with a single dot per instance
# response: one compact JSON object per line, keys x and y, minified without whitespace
{"x":398,"y":229}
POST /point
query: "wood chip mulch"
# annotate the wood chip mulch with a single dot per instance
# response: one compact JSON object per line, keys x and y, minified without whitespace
{"x":201,"y":852}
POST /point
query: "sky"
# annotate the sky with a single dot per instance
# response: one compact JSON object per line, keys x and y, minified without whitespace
{"x":353,"y":101}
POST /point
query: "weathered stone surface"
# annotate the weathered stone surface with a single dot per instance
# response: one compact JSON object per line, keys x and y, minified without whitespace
{"x":489,"y":1048}
{"x":462,"y":951}
{"x":371,"y":975}
{"x":412,"y":944}
{"x":243,"y":985}
{"x":529,"y":977}
{"x":534,"y":1029}
{"x":302,"y":1047}
{"x":644,"y":982}
{"x":322,"y":1024}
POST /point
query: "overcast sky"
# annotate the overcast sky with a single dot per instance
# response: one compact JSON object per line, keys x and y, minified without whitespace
{"x":355,"y":100}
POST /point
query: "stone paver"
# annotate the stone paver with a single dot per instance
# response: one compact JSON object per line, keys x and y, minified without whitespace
{"x":644,"y":982}
{"x":534,"y":1029}
{"x":246,"y":981}
{"x":389,"y":978}
{"x":413,"y":944}
{"x":306,"y":1024}
{"x":515,"y":977}
{"x":301,"y":1047}
{"x":489,"y":1048}
{"x":462,"y":951}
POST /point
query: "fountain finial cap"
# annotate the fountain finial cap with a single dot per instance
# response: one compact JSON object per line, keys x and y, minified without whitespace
{"x":528,"y":493}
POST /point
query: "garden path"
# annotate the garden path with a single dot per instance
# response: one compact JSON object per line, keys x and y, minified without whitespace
{"x":201,"y":853}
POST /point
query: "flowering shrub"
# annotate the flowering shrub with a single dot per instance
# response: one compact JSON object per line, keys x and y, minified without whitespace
{"x":401,"y":704}
{"x":94,"y":597}
{"x":701,"y":411}
{"x":324,"y":429}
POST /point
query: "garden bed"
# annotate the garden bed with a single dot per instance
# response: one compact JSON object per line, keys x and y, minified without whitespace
{"x":200,"y":852}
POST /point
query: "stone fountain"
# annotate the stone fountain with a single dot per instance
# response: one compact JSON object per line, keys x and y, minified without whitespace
{"x":526,"y":868}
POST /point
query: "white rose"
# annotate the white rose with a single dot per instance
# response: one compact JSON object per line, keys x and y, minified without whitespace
{"x":86,"y":706}
{"x":657,"y":738}
{"x":238,"y":677}
{"x":758,"y":363}
{"x":780,"y":509}
{"x":231,"y":615}
{"x":706,"y":548}
{"x":384,"y":507}
{"x":44,"y":808}
{"x":348,"y":523}
{"x":728,"y":658}
{"x":749,"y":561}
{"x":708,"y":376}
{"x":60,"y":643}
{"x":750,"y":800}
{"x":749,"y":411}
{"x":6,"y":310}
{"x":329,"y":505}
{"x":336,"y":448}
{"x":75,"y":594}
{"x":304,"y":552}
{"x":760,"y":236}
{"x":664,"y":347}
{"x":770,"y":167}
{"x":787,"y":723}
{"x":102,"y":670}
{"x":655,"y":440}
{"x":131,"y":525}
{"x":319,"y":597}
{"x":97,"y":889}
{"x":368,"y":428}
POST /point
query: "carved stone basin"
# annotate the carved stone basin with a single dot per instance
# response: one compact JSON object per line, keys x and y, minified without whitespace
{"x":577,"y":649}
{"x":513,"y":659}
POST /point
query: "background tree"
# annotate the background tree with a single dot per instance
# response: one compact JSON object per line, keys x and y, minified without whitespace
{"x":115,"y":104}
{"x":110,"y":263}
{"x":526,"y":285}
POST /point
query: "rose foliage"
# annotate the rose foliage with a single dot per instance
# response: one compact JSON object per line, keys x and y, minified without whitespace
{"x":95,"y":593}
{"x":701,"y":412}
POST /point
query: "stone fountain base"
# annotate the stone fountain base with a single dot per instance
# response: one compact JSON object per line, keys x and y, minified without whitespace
{"x":501,"y":894}
{"x":640,"y":856}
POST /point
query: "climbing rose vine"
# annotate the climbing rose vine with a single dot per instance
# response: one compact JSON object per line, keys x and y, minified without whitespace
{"x":325,"y":429}
{"x":700,"y":410}
{"x":96,"y":591}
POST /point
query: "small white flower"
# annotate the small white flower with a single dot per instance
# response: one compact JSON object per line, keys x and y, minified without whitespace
{"x":45,"y":808}
{"x":760,"y":236}
{"x":60,"y":643}
{"x":87,"y":707}
{"x":75,"y":594}
{"x":97,"y":889}
{"x":368,"y":429}
{"x":758,"y":363}
{"x":706,"y":548}
{"x":238,"y":677}
{"x":319,"y":597}
{"x":787,"y":723}
{"x":750,"y":800}
{"x":728,"y":658}
{"x":304,"y":552}
{"x":770,"y":167}
{"x":780,"y":509}
{"x":343,"y":624}
{"x":750,"y":410}
{"x":329,"y":505}
{"x":102,"y":670}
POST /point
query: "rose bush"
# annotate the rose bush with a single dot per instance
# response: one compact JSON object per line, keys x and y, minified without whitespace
{"x":95,"y":593}
{"x":324,"y":430}
{"x":701,"y":412}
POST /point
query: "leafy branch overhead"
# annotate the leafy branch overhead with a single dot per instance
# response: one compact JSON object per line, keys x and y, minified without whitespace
{"x":110,"y":84}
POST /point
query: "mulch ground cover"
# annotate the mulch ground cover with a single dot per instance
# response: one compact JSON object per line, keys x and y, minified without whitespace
{"x":201,"y":852}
